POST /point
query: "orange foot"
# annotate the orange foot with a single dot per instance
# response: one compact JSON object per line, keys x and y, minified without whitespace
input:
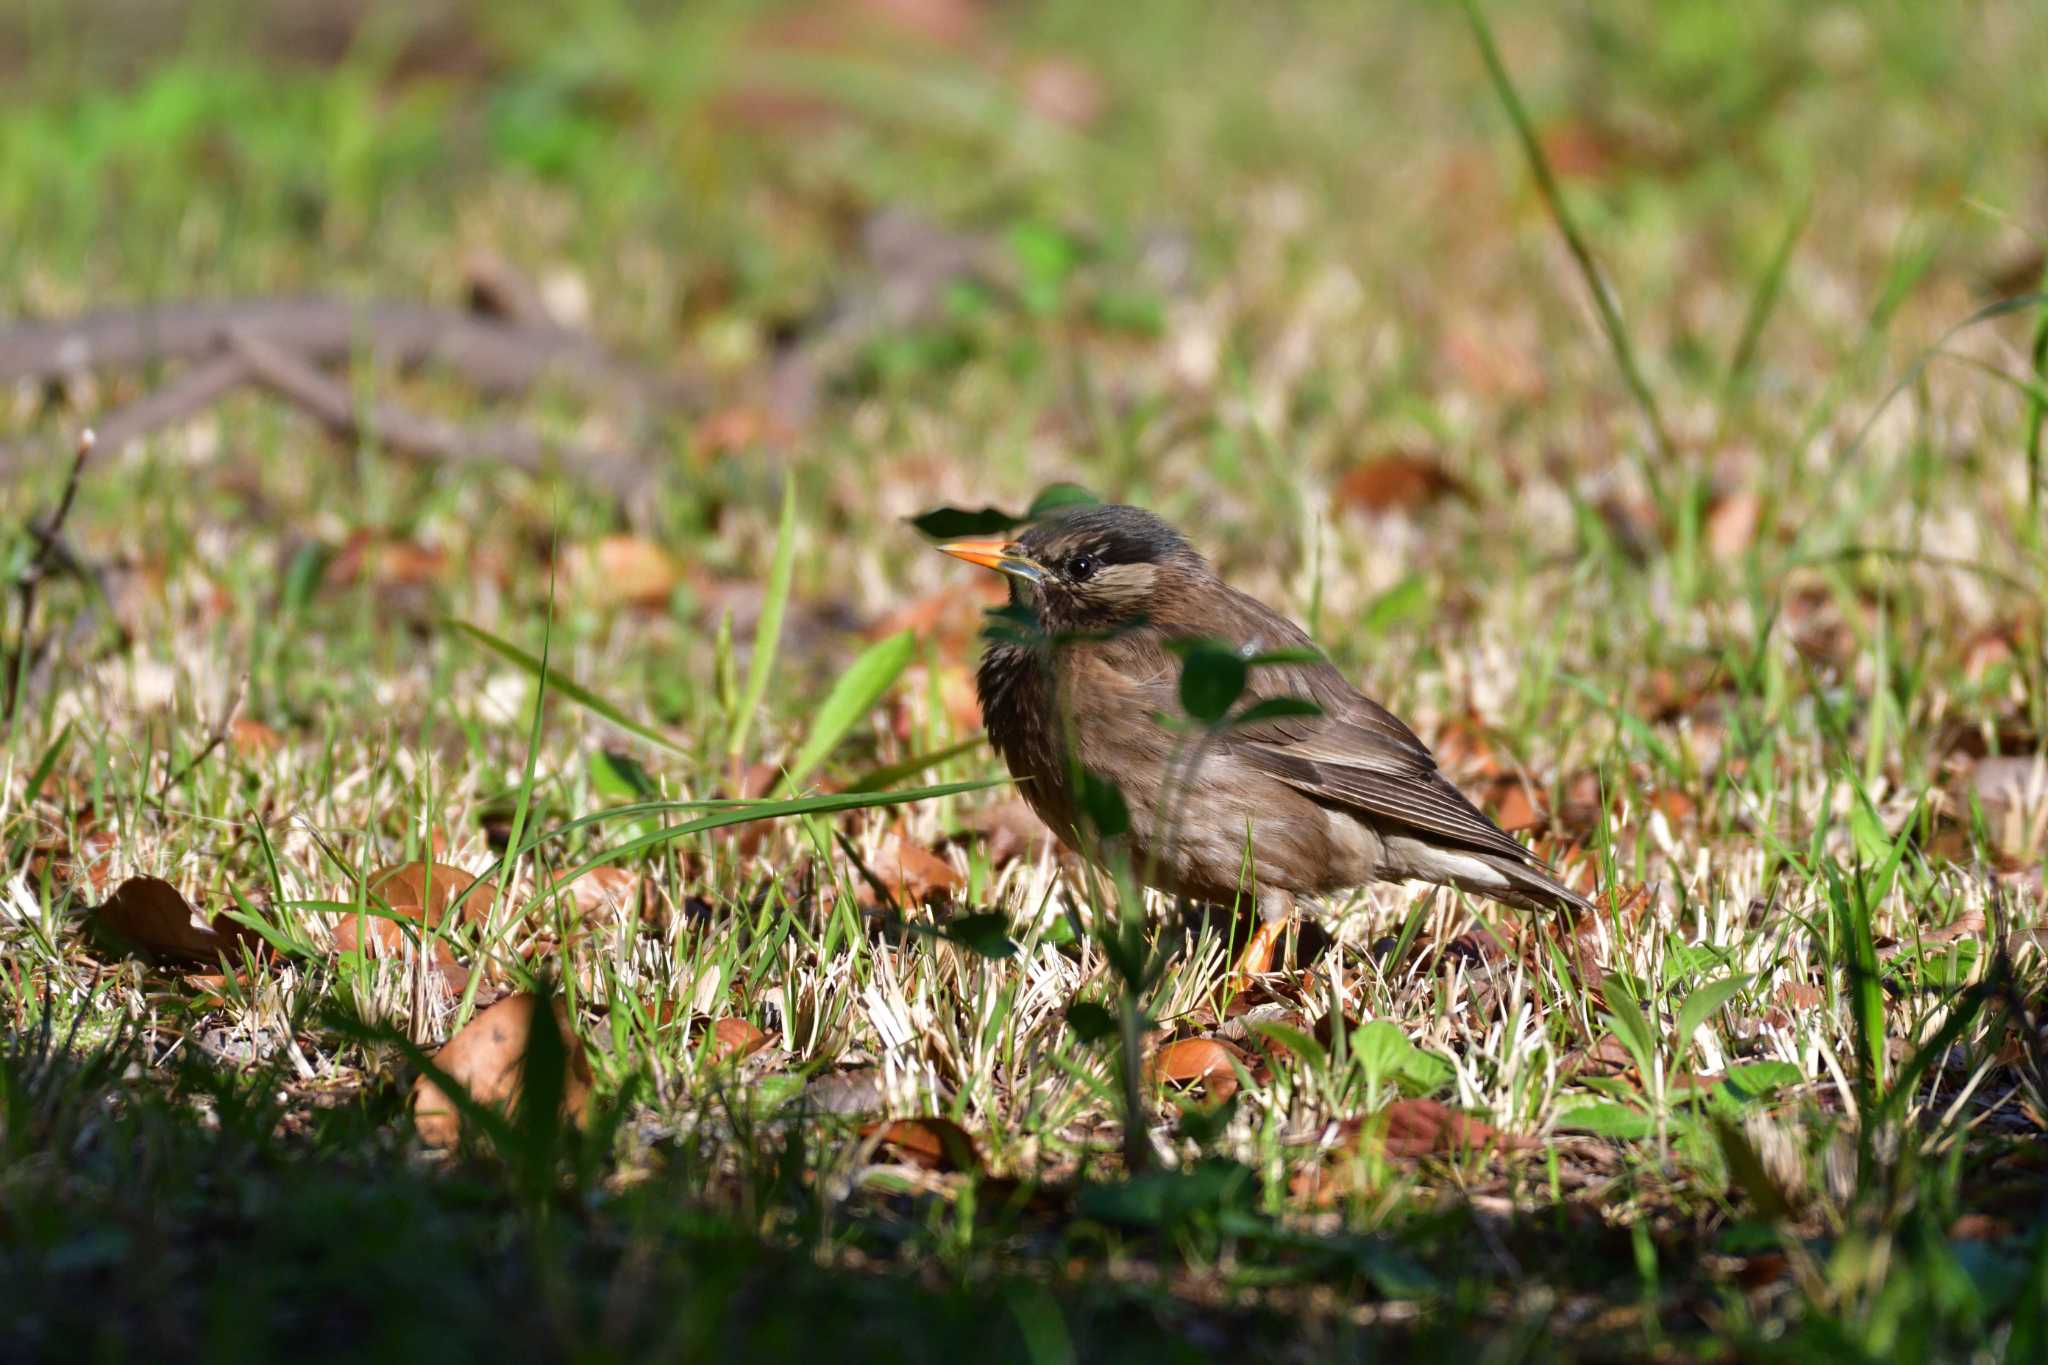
{"x":1257,"y":958}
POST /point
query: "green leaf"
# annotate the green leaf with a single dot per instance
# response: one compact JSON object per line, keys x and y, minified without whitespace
{"x":1057,"y":497}
{"x":1706,"y":1002}
{"x":619,"y":775}
{"x":768,"y":631}
{"x":1102,"y":806}
{"x":566,"y":687}
{"x":1407,"y":600}
{"x":1274,"y":708}
{"x":951,"y":523}
{"x":1090,"y":1022}
{"x":988,"y":935}
{"x":1293,"y":1040}
{"x":852,"y":695}
{"x":1381,"y":1050}
{"x":1607,"y":1119}
{"x":1627,"y":1023}
{"x":1760,"y":1080}
{"x":1212,"y":678}
{"x":1747,"y":1171}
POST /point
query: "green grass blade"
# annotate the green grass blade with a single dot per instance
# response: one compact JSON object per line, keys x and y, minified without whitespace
{"x":566,"y":687}
{"x":855,"y":692}
{"x":1704,"y":1003}
{"x":768,"y":633}
{"x":912,"y":766}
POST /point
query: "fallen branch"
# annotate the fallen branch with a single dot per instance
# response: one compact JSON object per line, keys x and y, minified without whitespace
{"x":399,"y":429}
{"x":497,"y":357}
{"x":49,"y":538}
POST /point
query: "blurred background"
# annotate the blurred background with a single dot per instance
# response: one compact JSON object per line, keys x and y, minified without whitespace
{"x":1281,"y":271}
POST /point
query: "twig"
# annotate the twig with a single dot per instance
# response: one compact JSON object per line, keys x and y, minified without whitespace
{"x":291,"y":377}
{"x":214,"y":740}
{"x":495,"y":356}
{"x":48,"y":538}
{"x":1575,"y":242}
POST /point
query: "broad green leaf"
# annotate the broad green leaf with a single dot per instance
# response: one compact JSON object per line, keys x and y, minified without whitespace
{"x":1628,"y":1024}
{"x":852,"y":695}
{"x":987,"y":935}
{"x":567,"y":687}
{"x":1607,"y":1119}
{"x":952,"y":523}
{"x":1705,"y":1002}
{"x":1090,"y":1022}
{"x":1057,"y":497}
{"x":1102,"y":806}
{"x":1746,"y":1169}
{"x":1275,"y":708}
{"x":1293,"y":1040}
{"x":1212,"y":678}
{"x":619,"y":775}
{"x":1407,"y":600}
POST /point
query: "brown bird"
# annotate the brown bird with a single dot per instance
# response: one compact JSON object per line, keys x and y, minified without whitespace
{"x":1298,"y":805}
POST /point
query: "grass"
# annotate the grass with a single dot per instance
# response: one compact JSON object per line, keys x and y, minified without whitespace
{"x":1783,"y":1097}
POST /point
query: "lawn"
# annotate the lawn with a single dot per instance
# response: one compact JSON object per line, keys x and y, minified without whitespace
{"x":1645,"y":404}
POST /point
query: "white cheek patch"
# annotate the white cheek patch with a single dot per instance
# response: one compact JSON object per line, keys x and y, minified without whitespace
{"x":1122,"y":583}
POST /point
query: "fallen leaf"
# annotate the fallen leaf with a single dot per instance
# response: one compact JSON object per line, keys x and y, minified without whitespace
{"x":739,"y":429}
{"x":607,"y":893}
{"x":1065,"y":91}
{"x":1396,"y":482}
{"x":422,"y":893}
{"x":932,"y":1144}
{"x":1416,"y":1127}
{"x":625,"y":571}
{"x":1491,"y":363}
{"x":149,"y":914}
{"x":487,"y":1059}
{"x":1515,"y":808}
{"x":913,"y":874}
{"x":252,"y":738}
{"x":1207,"y":1062}
{"x":734,"y":1039}
{"x":1012,"y":830}
{"x":1732,"y":521}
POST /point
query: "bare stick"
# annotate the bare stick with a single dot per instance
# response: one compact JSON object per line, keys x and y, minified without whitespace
{"x":48,"y":538}
{"x":295,"y":379}
{"x":495,"y":356}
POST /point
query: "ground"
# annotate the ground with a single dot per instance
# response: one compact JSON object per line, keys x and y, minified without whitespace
{"x":1724,"y":593}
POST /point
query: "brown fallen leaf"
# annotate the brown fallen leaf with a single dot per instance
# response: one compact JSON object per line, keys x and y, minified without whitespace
{"x":1207,"y":1062}
{"x":932,"y":1144}
{"x":487,"y":1059}
{"x":1732,"y":521}
{"x":734,"y":1039}
{"x":1415,"y":1127}
{"x":151,"y":915}
{"x":252,"y":738}
{"x":422,"y":893}
{"x":1012,"y":829}
{"x":1064,"y":90}
{"x":606,"y":894}
{"x":625,"y":571}
{"x":1398,"y":481}
{"x":1516,"y":807}
{"x":912,"y":873}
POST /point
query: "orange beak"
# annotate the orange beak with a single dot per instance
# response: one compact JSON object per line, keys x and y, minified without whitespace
{"x":1004,"y":556}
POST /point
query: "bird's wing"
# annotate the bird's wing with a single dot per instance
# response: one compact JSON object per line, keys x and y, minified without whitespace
{"x":1355,"y":753}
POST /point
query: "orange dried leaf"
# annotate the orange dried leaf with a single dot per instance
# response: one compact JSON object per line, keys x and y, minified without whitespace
{"x":1396,"y":482}
{"x":934,"y":1144}
{"x":487,"y":1059}
{"x":734,"y":1039}
{"x":1207,"y":1062}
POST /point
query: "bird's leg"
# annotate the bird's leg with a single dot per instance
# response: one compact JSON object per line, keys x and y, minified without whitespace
{"x":1276,"y":913}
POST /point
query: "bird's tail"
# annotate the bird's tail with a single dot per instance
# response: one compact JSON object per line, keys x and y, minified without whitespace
{"x":1496,"y":876}
{"x":1520,"y":885}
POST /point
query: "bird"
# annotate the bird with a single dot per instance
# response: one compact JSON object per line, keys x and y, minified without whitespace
{"x":1080,"y":681}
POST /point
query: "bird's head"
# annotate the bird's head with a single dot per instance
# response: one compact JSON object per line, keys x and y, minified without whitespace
{"x":1092,"y":569}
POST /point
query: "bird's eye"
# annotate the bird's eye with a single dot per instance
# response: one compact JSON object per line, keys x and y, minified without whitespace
{"x":1081,"y":568}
